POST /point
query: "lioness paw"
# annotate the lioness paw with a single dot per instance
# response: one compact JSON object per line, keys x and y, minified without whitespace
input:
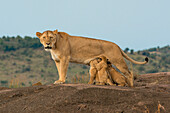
{"x":59,"y":82}
{"x":90,"y":82}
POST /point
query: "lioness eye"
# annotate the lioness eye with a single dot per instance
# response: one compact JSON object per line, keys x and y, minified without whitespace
{"x":44,"y":37}
{"x":51,"y":37}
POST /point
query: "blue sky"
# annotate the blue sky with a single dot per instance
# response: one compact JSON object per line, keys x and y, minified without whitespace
{"x":137,"y":24}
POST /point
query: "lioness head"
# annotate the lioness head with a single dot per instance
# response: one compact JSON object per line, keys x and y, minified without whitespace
{"x":48,"y":39}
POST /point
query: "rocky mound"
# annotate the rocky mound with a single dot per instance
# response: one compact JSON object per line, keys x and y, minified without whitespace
{"x":151,"y":94}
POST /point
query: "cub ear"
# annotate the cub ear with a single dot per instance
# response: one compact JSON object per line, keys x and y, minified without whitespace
{"x":38,"y":34}
{"x":55,"y":31}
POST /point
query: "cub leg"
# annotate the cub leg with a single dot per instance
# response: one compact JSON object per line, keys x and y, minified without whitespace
{"x":93,"y":73}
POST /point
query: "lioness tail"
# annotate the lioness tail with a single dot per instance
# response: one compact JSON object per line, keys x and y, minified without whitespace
{"x":133,"y":61}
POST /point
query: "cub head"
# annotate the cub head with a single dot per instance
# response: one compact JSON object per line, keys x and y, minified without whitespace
{"x":103,"y":58}
{"x":48,"y":39}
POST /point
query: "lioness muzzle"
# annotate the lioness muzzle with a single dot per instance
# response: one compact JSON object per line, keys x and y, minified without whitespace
{"x":48,"y":47}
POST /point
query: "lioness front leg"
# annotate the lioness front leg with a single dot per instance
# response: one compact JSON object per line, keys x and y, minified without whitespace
{"x":62,"y":70}
{"x":58,"y":66}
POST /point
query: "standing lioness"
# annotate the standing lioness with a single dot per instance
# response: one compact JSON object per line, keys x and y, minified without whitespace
{"x":65,"y":48}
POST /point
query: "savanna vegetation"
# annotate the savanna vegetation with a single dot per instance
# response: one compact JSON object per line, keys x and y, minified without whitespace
{"x":24,"y":62}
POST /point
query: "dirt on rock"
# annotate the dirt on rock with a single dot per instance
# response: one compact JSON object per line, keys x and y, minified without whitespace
{"x":151,"y":94}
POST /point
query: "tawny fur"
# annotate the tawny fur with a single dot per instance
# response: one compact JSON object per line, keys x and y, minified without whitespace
{"x":98,"y":70}
{"x":103,"y":72}
{"x":65,"y":48}
{"x":93,"y":72}
{"x":116,"y":76}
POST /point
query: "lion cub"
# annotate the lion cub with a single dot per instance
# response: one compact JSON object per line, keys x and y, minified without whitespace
{"x":93,"y":71}
{"x":98,"y":70}
{"x":102,"y":71}
{"x":118,"y":78}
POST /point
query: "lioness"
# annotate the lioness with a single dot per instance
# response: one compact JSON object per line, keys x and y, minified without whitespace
{"x":65,"y":48}
{"x":98,"y":70}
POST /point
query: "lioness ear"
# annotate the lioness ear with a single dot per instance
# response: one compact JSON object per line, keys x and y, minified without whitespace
{"x":38,"y":34}
{"x":55,"y":31}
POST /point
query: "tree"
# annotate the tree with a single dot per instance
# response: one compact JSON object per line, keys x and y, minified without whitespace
{"x":19,"y":38}
{"x":126,"y":50}
{"x":9,"y":48}
{"x":138,"y":52}
{"x":146,"y":53}
{"x":3,"y":37}
{"x":131,"y":51}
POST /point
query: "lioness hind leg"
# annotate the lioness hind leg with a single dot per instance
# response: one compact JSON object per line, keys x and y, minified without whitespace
{"x":101,"y":83}
{"x":121,"y":84}
{"x":129,"y":77}
{"x":130,"y":80}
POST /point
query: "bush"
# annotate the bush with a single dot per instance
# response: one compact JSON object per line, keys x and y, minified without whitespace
{"x":152,"y":71}
{"x":30,"y":83}
{"x":42,"y":75}
{"x":25,"y":69}
{"x":146,"y":53}
{"x":22,"y":84}
{"x":31,"y":76}
{"x":3,"y":57}
{"x":82,"y":72}
{"x":126,"y":50}
{"x":4,"y":82}
{"x":141,"y":68}
{"x":152,"y":49}
{"x":131,"y":51}
{"x":28,"y":60}
{"x":153,"y":56}
{"x":139,"y":52}
{"x":84,"y":67}
{"x":9,"y":48}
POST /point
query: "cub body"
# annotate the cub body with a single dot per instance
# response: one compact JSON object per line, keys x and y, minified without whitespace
{"x":98,"y":70}
{"x":116,"y":76}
